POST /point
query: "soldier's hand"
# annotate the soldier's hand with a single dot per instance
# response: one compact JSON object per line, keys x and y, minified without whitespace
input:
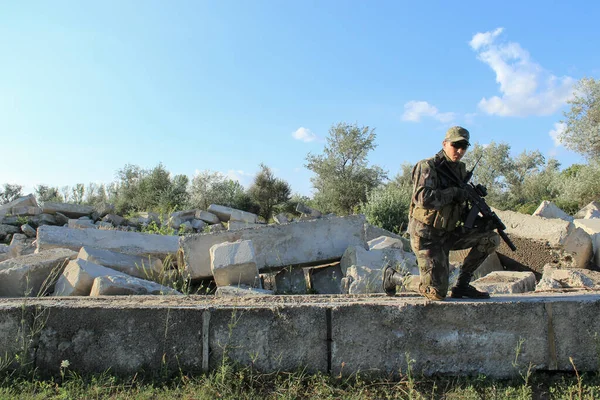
{"x":460,"y":194}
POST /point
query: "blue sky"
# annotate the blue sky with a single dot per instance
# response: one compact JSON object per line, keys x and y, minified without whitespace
{"x":87,"y":87}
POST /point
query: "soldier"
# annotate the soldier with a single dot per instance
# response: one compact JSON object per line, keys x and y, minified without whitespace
{"x":436,"y":216}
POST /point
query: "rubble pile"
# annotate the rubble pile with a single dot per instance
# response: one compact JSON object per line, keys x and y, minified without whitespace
{"x":78,"y":250}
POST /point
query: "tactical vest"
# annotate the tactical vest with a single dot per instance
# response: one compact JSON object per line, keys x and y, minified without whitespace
{"x":449,"y":216}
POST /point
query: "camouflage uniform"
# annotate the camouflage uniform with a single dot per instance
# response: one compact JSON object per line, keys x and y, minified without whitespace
{"x":436,"y":214}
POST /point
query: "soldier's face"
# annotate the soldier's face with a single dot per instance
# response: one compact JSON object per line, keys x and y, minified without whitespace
{"x":454,"y":151}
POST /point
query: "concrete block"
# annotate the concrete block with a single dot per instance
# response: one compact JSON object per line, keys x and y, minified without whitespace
{"x":114,"y":219}
{"x":198,"y":225}
{"x":186,"y":227}
{"x":25,"y":201}
{"x":241,"y":291}
{"x":28,"y":230}
{"x":548,"y":209}
{"x":592,"y":228}
{"x":237,"y":225}
{"x":6,"y":230}
{"x":243,"y":216}
{"x":291,"y":281}
{"x":364,"y":280}
{"x":439,"y":338}
{"x":135,"y":243}
{"x":26,"y":211}
{"x":506,"y":282}
{"x":126,"y":286}
{"x":224,"y":213}
{"x":216,"y":228}
{"x":374,"y":232}
{"x":207,"y":217}
{"x":490,"y":264}
{"x":104,"y":225}
{"x":326,"y":280}
{"x":281,"y":218}
{"x":137,"y":266}
{"x":276,"y":246}
{"x":81,"y":224}
{"x":29,"y":275}
{"x":590,"y":210}
{"x":43,"y":219}
{"x":234,"y":264}
{"x":61,"y":219}
{"x":377,"y":258}
{"x":78,"y":277}
{"x":307,"y":211}
{"x":103,"y":209}
{"x":555,"y":278}
{"x":573,"y":244}
{"x":67,"y":209}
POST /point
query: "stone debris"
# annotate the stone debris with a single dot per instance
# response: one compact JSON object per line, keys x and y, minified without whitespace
{"x":592,"y":210}
{"x":570,"y":245}
{"x":281,"y":218}
{"x":207,"y":217}
{"x":78,"y":277}
{"x":237,"y":225}
{"x":68,"y":209}
{"x":506,"y":282}
{"x":291,"y":281}
{"x":592,"y":228}
{"x":225,"y":213}
{"x":326,"y":280}
{"x":32,"y":274}
{"x":307,"y":212}
{"x":548,"y":209}
{"x":234,"y":264}
{"x":28,"y":230}
{"x":558,"y":278}
{"x":81,"y":224}
{"x":136,"y":266}
{"x":25,"y":201}
{"x":127,"y":285}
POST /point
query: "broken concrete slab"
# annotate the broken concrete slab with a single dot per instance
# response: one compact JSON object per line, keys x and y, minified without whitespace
{"x":237,"y":225}
{"x":291,"y":281}
{"x":78,"y":277}
{"x":307,"y":211}
{"x":234,"y":264}
{"x":379,"y":257}
{"x":198,"y":225}
{"x":326,"y":279}
{"x":241,"y":291}
{"x":276,"y":246}
{"x":572,"y":245}
{"x":506,"y":282}
{"x":207,"y":217}
{"x":68,"y":209}
{"x":33,"y":274}
{"x":127,"y":286}
{"x":81,"y":224}
{"x":557,"y":278}
{"x":137,"y":266}
{"x":6,"y":230}
{"x":592,"y":228}
{"x":114,"y":219}
{"x":490,"y":264}
{"x":374,"y":232}
{"x":28,"y":230}
{"x":364,"y":280}
{"x":24,"y":201}
{"x":385,"y":242}
{"x":224,"y":213}
{"x":43,"y":219}
{"x":281,"y":218}
{"x":26,"y":211}
{"x":548,"y":209}
{"x":142,"y":244}
{"x":590,"y":210}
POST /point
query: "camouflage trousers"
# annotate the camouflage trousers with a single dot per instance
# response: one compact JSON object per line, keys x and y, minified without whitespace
{"x":432,"y":254}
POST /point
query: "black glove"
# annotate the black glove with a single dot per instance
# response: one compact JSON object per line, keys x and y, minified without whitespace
{"x":460,"y":195}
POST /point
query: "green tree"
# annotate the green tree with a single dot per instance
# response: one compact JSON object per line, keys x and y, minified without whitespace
{"x":210,"y":187}
{"x":343,"y":178}
{"x":77,"y":193}
{"x":268,"y":192}
{"x":582,"y":124}
{"x":387,"y":206}
{"x":50,"y":194}
{"x":11,"y":192}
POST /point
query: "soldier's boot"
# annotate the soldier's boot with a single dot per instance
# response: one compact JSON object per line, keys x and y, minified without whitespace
{"x":464,"y":290}
{"x":430,"y":292}
{"x":391,"y":279}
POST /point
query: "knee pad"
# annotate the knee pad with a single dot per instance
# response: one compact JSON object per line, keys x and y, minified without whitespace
{"x":489,"y":244}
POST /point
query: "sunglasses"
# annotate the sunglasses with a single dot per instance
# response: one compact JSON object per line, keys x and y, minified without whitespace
{"x":460,"y":145}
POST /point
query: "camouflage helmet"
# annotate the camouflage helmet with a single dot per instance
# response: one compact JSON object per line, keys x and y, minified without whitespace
{"x":456,"y":134}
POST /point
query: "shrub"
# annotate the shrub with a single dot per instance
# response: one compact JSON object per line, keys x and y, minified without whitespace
{"x":387,"y":207}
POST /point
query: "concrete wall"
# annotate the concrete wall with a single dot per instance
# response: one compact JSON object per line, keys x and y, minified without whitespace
{"x":337,"y":334}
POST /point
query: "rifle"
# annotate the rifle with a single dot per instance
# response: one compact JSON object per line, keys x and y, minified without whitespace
{"x":475,"y":195}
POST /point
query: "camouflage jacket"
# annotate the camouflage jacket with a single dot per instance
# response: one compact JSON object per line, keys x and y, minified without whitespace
{"x":434,"y":210}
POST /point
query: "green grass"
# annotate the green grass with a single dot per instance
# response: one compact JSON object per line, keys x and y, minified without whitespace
{"x":245,"y":383}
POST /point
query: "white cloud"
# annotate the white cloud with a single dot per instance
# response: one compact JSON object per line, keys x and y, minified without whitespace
{"x":415,"y":110}
{"x":304,"y":134}
{"x":555,"y":133}
{"x":526,"y":88}
{"x":244,"y":178}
